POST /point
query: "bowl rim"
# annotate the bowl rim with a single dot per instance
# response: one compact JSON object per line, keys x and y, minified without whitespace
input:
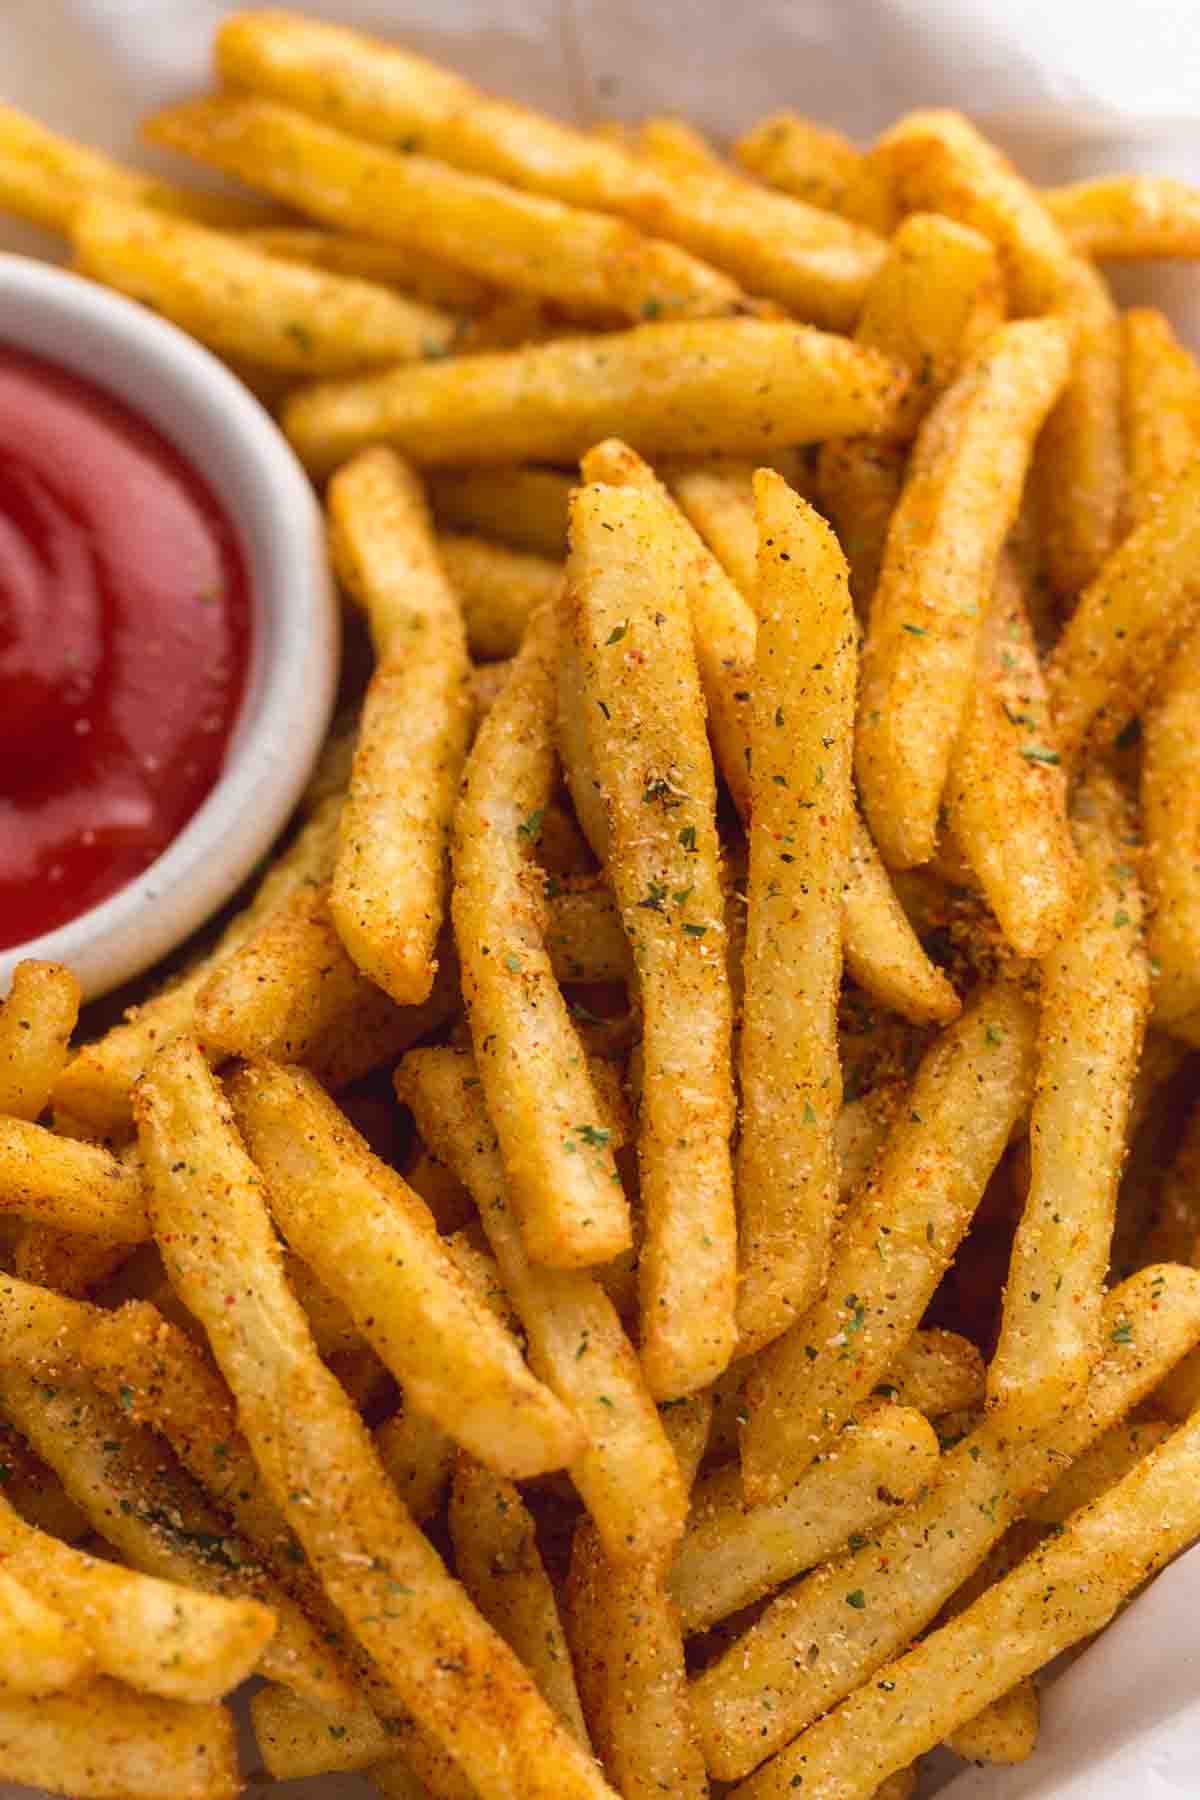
{"x":217,"y":426}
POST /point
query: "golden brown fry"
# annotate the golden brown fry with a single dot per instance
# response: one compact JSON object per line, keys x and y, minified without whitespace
{"x":66,"y":1261}
{"x":1004,"y":1732}
{"x":882,"y":951}
{"x":1095,"y":996}
{"x":36,"y":1022}
{"x":584,"y":935}
{"x":498,"y":590}
{"x":733,"y":1554}
{"x":959,"y":503}
{"x":524,"y":507}
{"x":631,"y":627}
{"x":936,"y":1372}
{"x":740,"y":385}
{"x":1161,"y":410}
{"x":859,"y":483}
{"x":418,"y":1458}
{"x":819,"y":166}
{"x":801,"y":822}
{"x":1128,"y":216}
{"x":42,"y":1650}
{"x":628,"y":1476}
{"x":496,"y":1558}
{"x":389,"y":882}
{"x":517,"y":240}
{"x":1110,"y":1458}
{"x":104,"y":1742}
{"x":624,"y":1634}
{"x":895,"y":1241}
{"x":373,"y":1242}
{"x":244,"y":303}
{"x":435,"y":283}
{"x":687,"y":1423}
{"x":377,"y":1567}
{"x":35,"y":1490}
{"x":296,"y":1738}
{"x":70,"y":1185}
{"x":938,"y":162}
{"x":1170,"y":793}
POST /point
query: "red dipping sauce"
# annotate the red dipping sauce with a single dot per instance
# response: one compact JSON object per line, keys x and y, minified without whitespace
{"x":124,"y":643}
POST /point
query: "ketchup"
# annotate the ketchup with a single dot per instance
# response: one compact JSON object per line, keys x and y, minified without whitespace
{"x":124,"y":642}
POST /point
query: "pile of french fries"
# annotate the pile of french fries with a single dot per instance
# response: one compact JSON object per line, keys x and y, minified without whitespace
{"x":763,"y":1328}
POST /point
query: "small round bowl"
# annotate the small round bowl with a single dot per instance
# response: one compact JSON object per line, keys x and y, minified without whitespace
{"x":218,"y":426}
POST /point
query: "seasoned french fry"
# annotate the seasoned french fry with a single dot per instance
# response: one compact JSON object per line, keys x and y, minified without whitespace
{"x":44,"y":177}
{"x":498,"y":590}
{"x":1006,"y":788}
{"x":418,"y":1458}
{"x":859,"y":483}
{"x":1005,"y":1732}
{"x":625,"y":1638}
{"x":377,"y":1567}
{"x":1115,"y":644}
{"x":801,"y":744}
{"x":631,"y":627}
{"x":959,"y":503}
{"x":584,"y":934}
{"x":741,"y":385}
{"x":539,"y":1092}
{"x":389,"y":882}
{"x":42,"y":1650}
{"x":437,"y":284}
{"x":1128,"y":216}
{"x":819,"y":166}
{"x":36,"y":1022}
{"x":104,"y":1742}
{"x":882,"y":951}
{"x":769,"y":1685}
{"x":518,"y":240}
{"x":35,"y":1490}
{"x":810,"y":261}
{"x":66,"y":1261}
{"x":1110,"y":1458}
{"x":496,"y":1558}
{"x":1161,"y":410}
{"x":717,"y":497}
{"x":374,"y":1244}
{"x":676,"y":144}
{"x":627,"y":1476}
{"x":296,"y":1738}
{"x":70,"y":1185}
{"x":1095,"y":998}
{"x":687,"y":1423}
{"x":301,"y":321}
{"x":936,"y":1372}
{"x":733,"y":1554}
{"x":1169,"y":791}
{"x":1064,"y":1591}
{"x":900,"y":1233}
{"x":524,"y":507}
{"x":938,"y":162}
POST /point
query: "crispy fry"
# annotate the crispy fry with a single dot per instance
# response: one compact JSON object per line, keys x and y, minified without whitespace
{"x":769,"y":1685}
{"x":801,"y":744}
{"x":540,"y":1095}
{"x":740,"y":385}
{"x":517,"y":240}
{"x":628,"y":1476}
{"x":1005,"y":1732}
{"x":733,"y":1554}
{"x":936,"y":1372}
{"x":1161,"y":410}
{"x":434,"y":283}
{"x":524,"y":507}
{"x":1169,"y":791}
{"x":687,"y":1423}
{"x":36,"y":1022}
{"x":67,"y":1261}
{"x":42,"y":1650}
{"x":584,"y":934}
{"x":677,"y":144}
{"x":819,"y":166}
{"x":1110,"y":1458}
{"x":418,"y":1458}
{"x":859,"y":483}
{"x":900,"y":1233}
{"x":882,"y":951}
{"x":389,"y":882}
{"x":298,"y":1739}
{"x":71,"y":1185}
{"x":631,"y":628}
{"x":377,"y":1567}
{"x":1095,"y":998}
{"x":373,"y":1242}
{"x":1128,"y":216}
{"x":959,"y":502}
{"x":104,"y":1742}
{"x":498,"y":590}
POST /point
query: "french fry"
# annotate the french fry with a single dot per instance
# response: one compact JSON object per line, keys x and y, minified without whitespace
{"x":297,"y":1739}
{"x":44,"y":177}
{"x":1064,"y":1591}
{"x":377,"y":1567}
{"x":524,"y":507}
{"x":1161,"y":410}
{"x":717,"y":497}
{"x":859,"y":483}
{"x":895,"y":1241}
{"x":434,"y":283}
{"x":733,"y":1554}
{"x":35,"y":1490}
{"x":105,"y":1742}
{"x":1120,"y":216}
{"x":687,"y":1423}
{"x":801,"y":744}
{"x":1110,"y":1458}
{"x":630,"y":622}
{"x":517,"y":240}
{"x":740,"y":385}
{"x":625,"y":1638}
{"x":1169,"y":789}
{"x":498,"y":590}
{"x":936,"y":1372}
{"x":389,"y":882}
{"x":418,"y":1458}
{"x":539,"y":1092}
{"x":374,"y":1244}
{"x":881,"y":950}
{"x":959,"y":502}
{"x":1006,"y":788}
{"x":627,"y":1476}
{"x":584,"y":934}
{"x":1095,"y":998}
{"x":938,"y":162}
{"x":1004,"y":1732}
{"x":42,"y":1650}
{"x":36,"y":1022}
{"x":70,"y":1185}
{"x":769,"y":1685}
{"x":1104,"y":667}
{"x":819,"y":166}
{"x":812,"y":262}
{"x":302,"y":321}
{"x":497,"y":1560}
{"x":66,"y":1261}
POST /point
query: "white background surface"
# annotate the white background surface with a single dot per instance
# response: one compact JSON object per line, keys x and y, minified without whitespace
{"x":1071,"y":87}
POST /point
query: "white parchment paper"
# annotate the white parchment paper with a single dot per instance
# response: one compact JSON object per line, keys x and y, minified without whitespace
{"x":1071,"y":87}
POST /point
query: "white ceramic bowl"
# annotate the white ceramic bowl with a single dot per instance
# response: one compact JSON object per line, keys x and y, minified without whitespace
{"x":218,"y":427}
